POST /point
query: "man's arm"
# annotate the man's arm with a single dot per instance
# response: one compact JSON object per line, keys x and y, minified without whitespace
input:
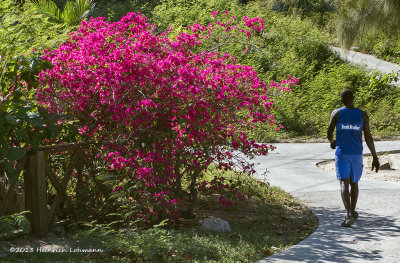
{"x":370,"y":142}
{"x":331,"y":127}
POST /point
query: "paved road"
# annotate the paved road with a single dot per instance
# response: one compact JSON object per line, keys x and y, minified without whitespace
{"x":370,"y":62}
{"x":374,"y":237}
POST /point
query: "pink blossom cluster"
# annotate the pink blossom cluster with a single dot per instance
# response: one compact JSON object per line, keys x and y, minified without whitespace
{"x":285,"y":84}
{"x":255,"y":23}
{"x":159,"y":106}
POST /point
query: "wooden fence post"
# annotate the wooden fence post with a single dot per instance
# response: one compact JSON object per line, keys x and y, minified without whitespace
{"x":36,"y":192}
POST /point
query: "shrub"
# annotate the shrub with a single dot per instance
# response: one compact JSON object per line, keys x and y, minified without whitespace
{"x":163,"y":109}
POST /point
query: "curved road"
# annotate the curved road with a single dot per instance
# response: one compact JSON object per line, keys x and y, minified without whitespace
{"x":376,"y":234}
{"x":368,"y":61}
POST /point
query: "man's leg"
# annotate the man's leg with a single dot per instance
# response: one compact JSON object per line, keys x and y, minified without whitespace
{"x":344,"y":188}
{"x":356,"y":172}
{"x":343,"y":173}
{"x":353,"y":197}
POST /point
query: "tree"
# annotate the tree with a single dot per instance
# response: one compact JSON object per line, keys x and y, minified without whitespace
{"x":357,"y":17}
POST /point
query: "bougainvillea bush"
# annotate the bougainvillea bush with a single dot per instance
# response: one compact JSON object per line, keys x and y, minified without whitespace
{"x":162,"y":108}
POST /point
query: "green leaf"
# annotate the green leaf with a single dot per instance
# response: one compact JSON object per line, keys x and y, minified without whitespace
{"x":34,"y":63}
{"x":22,"y":115}
{"x":3,"y":119}
{"x":17,"y":95}
{"x":11,"y":172}
{"x":35,"y":140}
{"x":116,"y":195}
{"x":54,"y":130}
{"x":35,"y":119}
{"x":33,"y":115}
{"x":11,"y":119}
{"x":22,"y":136}
{"x":15,"y":154}
{"x":22,"y":222}
{"x":106,"y":176}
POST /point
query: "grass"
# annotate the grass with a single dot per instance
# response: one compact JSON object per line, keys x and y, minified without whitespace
{"x":269,"y":222}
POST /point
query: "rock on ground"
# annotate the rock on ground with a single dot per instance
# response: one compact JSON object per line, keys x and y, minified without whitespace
{"x":216,"y":224}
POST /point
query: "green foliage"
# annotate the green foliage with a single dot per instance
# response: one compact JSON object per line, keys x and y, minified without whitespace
{"x":6,"y":224}
{"x":22,"y":222}
{"x":72,"y":13}
{"x":76,"y":11}
{"x":322,"y":93}
{"x":286,"y":45}
{"x":246,"y":184}
{"x":317,"y":11}
{"x":23,"y":123}
{"x":307,"y":110}
{"x":48,"y":7}
{"x":381,"y":101}
{"x":24,"y":29}
{"x":291,"y":46}
{"x":9,"y":223}
{"x":114,"y":10}
{"x":272,"y":210}
{"x":181,"y":13}
{"x":358,"y":17}
{"x":295,"y":49}
{"x":148,"y":245}
{"x":381,"y":45}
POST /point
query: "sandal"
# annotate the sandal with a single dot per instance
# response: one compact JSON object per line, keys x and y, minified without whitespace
{"x":348,"y":221}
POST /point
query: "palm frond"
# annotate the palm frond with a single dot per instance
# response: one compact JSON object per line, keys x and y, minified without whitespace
{"x":75,"y":12}
{"x":22,"y":222}
{"x":47,"y":7}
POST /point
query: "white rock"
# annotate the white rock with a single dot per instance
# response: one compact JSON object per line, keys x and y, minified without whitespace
{"x":216,"y":224}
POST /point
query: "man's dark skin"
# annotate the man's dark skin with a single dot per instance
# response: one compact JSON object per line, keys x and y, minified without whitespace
{"x":350,"y":197}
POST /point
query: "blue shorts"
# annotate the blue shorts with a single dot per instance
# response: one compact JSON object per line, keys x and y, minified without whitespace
{"x":349,"y":166}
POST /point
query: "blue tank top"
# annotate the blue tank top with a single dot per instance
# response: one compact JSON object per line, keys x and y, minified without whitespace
{"x":349,"y":132}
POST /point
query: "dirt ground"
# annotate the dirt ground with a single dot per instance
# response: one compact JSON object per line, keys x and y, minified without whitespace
{"x":389,"y":169}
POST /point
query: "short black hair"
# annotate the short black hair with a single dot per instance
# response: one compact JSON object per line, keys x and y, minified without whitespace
{"x":346,"y":95}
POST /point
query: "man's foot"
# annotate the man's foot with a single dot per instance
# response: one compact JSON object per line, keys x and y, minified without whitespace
{"x":348,"y":221}
{"x":355,"y":216}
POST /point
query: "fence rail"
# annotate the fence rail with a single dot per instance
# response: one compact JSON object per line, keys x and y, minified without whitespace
{"x":36,"y":171}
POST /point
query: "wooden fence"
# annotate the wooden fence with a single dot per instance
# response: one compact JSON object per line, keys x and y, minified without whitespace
{"x":36,"y":171}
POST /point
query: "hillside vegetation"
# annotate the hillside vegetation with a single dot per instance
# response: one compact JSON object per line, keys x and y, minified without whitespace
{"x":295,"y":42}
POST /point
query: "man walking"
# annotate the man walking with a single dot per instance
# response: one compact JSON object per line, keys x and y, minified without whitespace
{"x":350,"y":122}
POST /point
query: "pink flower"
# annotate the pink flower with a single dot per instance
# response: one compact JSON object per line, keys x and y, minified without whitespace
{"x":162,"y":108}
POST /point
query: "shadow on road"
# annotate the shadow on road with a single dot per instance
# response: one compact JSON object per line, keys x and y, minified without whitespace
{"x":332,"y":243}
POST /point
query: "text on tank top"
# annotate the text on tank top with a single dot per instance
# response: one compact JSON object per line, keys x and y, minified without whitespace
{"x":349,"y":132}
